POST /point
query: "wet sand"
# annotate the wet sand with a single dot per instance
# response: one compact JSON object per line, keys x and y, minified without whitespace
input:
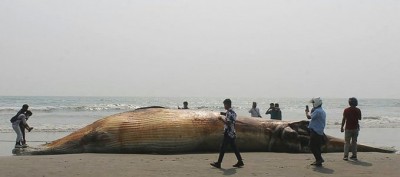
{"x":194,"y":165}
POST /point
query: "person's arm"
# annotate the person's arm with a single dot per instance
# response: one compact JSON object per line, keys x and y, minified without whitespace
{"x":25,"y":123}
{"x":229,"y":118}
{"x":308,"y":114}
{"x":343,"y":122}
{"x":258,"y":112}
{"x":222,"y":119}
{"x":268,"y":111}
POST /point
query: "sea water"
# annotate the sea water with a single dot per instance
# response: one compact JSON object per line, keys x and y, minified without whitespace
{"x":55,"y":117}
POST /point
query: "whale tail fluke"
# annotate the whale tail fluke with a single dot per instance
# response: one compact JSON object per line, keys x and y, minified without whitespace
{"x":337,"y":145}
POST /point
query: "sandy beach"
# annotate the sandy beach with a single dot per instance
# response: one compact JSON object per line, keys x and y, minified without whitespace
{"x":194,"y":165}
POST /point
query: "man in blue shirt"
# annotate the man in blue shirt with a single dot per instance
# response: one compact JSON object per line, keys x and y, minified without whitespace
{"x":316,"y":127}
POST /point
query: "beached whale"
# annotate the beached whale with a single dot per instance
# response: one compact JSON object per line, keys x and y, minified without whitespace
{"x":169,"y":131}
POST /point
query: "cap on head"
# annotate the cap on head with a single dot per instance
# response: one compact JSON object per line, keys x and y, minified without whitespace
{"x":353,"y":101}
{"x":317,"y":102}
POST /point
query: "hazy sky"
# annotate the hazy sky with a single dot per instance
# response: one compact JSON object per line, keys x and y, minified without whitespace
{"x":210,"y":48}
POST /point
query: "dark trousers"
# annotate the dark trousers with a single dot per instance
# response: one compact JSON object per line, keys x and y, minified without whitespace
{"x":228,"y":140}
{"x":315,"y":145}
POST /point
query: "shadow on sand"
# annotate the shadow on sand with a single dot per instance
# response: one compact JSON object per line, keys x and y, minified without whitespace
{"x":228,"y":172}
{"x":360,"y":163}
{"x":324,"y":170}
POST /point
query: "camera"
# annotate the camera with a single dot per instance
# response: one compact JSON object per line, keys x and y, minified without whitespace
{"x":307,"y":108}
{"x":223,"y":113}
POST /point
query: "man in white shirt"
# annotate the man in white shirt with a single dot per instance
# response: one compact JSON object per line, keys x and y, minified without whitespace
{"x":254,"y":111}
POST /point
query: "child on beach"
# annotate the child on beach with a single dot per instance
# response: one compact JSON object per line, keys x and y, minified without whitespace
{"x":16,"y":126}
{"x":21,"y":125}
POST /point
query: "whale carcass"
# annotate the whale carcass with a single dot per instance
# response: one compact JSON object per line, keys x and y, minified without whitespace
{"x":169,"y":131}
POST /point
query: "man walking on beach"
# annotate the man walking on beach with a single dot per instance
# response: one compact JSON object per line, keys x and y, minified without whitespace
{"x":229,"y":135}
{"x":316,"y":128}
{"x":351,"y":115}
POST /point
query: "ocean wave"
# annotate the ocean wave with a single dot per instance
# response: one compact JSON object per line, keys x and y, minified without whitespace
{"x":49,"y":130}
{"x":99,"y":107}
{"x":47,"y":127}
{"x":372,"y":122}
{"x":115,"y":107}
{"x":371,"y":118}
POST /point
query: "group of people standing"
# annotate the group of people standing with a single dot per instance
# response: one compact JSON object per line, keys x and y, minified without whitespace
{"x":317,"y":116}
{"x":19,"y":125}
{"x":350,"y":126}
{"x":273,"y":110}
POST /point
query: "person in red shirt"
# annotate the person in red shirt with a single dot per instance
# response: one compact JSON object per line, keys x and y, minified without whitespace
{"x":351,"y":116}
